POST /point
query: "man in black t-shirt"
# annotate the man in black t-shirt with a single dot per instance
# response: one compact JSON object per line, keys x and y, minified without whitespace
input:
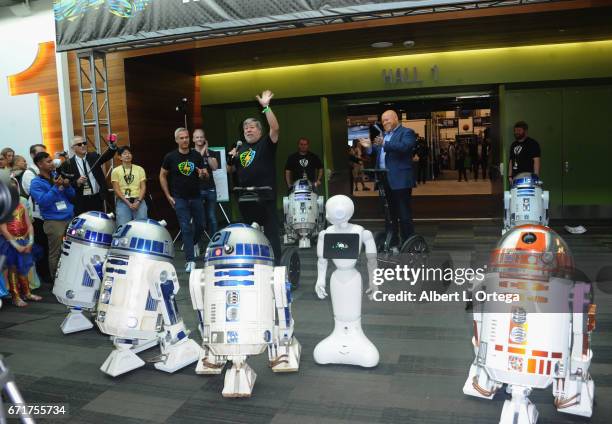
{"x":303,"y":160}
{"x":524,"y":153}
{"x":255,"y":165}
{"x":184,"y":167}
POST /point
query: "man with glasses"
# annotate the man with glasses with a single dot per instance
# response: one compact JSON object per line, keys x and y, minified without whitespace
{"x":87,"y":176}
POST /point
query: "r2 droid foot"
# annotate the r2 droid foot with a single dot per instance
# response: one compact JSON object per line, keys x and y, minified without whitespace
{"x":121,"y":360}
{"x":519,"y":409}
{"x":209,"y":364}
{"x":75,"y":321}
{"x":578,"y":399}
{"x":239,"y":380}
{"x":479,"y":384}
{"x":288,"y":358}
{"x":178,"y":355}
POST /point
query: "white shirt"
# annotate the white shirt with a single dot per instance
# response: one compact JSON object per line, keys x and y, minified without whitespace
{"x":85,"y":171}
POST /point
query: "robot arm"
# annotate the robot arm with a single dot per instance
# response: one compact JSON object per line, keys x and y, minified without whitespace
{"x":93,"y":265}
{"x":163,"y":286}
{"x":321,"y":268}
{"x":370,"y":250}
{"x":282,"y":301}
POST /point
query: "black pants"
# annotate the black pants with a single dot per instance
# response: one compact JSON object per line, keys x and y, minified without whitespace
{"x":264,"y":213}
{"x":422,"y":177}
{"x":400,"y":207}
{"x":82,"y":204}
{"x":461,"y":172}
{"x":40,"y":238}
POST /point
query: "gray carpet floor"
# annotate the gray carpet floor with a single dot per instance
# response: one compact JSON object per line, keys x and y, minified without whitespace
{"x":425,"y":355}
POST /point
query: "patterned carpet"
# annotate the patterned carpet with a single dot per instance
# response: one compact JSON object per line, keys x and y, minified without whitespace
{"x":425,"y":355}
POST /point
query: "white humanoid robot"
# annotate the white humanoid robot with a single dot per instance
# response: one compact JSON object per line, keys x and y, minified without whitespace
{"x":526,"y":202}
{"x":244,"y":307}
{"x":539,"y":340}
{"x":341,"y":242}
{"x":79,"y":272}
{"x":137,"y":306}
{"x":304,"y":213}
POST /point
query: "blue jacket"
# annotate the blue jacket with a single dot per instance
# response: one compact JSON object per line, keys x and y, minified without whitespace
{"x":47,"y":196}
{"x":398,"y":157}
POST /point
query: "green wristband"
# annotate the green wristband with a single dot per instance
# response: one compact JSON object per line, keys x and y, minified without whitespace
{"x":266,"y":109}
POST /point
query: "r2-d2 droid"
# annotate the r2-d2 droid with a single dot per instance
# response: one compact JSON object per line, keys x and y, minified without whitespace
{"x":79,"y":271}
{"x":341,"y":242}
{"x":540,"y":337}
{"x":304,"y":214}
{"x":137,"y":306}
{"x":244,"y":307}
{"x":526,"y":202}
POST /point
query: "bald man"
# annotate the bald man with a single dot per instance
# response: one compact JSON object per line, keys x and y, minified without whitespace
{"x":394,"y":150}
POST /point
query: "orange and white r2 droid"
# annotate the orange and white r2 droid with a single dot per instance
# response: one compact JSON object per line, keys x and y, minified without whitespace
{"x":539,"y":340}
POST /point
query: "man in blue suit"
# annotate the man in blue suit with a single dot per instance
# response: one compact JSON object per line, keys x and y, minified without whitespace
{"x":394,"y":151}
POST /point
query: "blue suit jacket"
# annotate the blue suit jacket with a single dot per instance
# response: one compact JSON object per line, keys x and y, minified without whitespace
{"x":398,"y":158}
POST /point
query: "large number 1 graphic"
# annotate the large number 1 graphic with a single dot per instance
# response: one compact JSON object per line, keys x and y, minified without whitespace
{"x":41,"y":78}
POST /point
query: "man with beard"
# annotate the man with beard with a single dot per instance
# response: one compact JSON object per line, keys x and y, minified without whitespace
{"x":255,"y":165}
{"x":524,"y":153}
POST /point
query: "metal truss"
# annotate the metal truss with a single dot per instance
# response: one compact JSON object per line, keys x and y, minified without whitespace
{"x":321,"y":21}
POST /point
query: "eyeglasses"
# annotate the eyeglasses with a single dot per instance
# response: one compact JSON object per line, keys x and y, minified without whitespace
{"x":79,"y":144}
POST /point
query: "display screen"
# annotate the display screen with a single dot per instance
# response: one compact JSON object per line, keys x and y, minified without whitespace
{"x":341,"y":246}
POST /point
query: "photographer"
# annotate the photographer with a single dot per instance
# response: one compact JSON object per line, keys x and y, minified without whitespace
{"x":255,"y":164}
{"x":52,"y":194}
{"x":85,"y":173}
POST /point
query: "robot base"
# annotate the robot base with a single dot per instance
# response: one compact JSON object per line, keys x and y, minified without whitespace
{"x":124,"y":359}
{"x":304,"y":243}
{"x":519,"y":410}
{"x":289,"y":361}
{"x":584,"y":405}
{"x":239,"y":380}
{"x":179,"y":356}
{"x":479,"y":384}
{"x":75,"y":321}
{"x":347,"y":344}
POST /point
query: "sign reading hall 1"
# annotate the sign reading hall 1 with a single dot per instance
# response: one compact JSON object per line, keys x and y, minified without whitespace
{"x":407,"y":75}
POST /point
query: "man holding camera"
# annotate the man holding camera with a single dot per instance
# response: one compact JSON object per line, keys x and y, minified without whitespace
{"x":52,"y":193}
{"x":85,"y":169}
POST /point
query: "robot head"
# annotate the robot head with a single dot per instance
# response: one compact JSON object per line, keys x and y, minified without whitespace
{"x":145,"y":237}
{"x":526,"y":180}
{"x":94,"y":228}
{"x":339,"y":209}
{"x":302,"y":186}
{"x":239,"y":244}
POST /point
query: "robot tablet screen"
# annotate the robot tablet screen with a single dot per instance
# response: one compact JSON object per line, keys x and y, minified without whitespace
{"x":341,"y":246}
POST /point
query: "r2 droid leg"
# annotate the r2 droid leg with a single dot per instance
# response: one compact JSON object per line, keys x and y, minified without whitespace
{"x":285,"y":350}
{"x":177,"y":349}
{"x":478,"y":383}
{"x":239,"y":379}
{"x":519,"y":410}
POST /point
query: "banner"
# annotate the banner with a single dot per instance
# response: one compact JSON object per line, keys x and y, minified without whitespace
{"x":83,"y":24}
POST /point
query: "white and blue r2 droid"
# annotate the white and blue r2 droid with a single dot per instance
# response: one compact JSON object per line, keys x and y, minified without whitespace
{"x":79,"y":272}
{"x":244,"y":307}
{"x":304,"y":213}
{"x":137,"y":306}
{"x":526,"y":202}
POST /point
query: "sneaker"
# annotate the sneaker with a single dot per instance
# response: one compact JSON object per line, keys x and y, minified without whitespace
{"x":189,"y":266}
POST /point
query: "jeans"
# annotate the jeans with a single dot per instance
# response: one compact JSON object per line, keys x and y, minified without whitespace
{"x":209,"y":197}
{"x":125,"y":214}
{"x":190,"y":215}
{"x":400,"y":209}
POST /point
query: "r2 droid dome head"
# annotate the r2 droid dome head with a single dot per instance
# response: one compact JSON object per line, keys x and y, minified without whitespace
{"x":143,"y":237}
{"x":79,"y":271}
{"x":239,"y":244}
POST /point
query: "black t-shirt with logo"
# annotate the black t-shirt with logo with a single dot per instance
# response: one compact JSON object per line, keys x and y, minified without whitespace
{"x":209,"y":183}
{"x":256,"y":164}
{"x":296,"y":163}
{"x":522,"y":154}
{"x":182,"y":173}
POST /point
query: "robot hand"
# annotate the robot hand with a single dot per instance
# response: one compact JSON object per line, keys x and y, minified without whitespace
{"x":320,"y":290}
{"x":371,"y":291}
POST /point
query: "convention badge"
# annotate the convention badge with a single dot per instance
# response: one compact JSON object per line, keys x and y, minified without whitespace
{"x":87,"y":189}
{"x":61,"y":205}
{"x":128,"y":192}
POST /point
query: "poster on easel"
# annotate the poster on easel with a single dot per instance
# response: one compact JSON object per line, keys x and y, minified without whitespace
{"x":220,"y":174}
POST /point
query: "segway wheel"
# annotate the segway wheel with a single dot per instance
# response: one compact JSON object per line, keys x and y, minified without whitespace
{"x":414,"y":251}
{"x":379,"y":239}
{"x":291,"y":260}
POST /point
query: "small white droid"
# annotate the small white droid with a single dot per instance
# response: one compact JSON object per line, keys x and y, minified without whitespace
{"x":244,"y":307}
{"x":526,"y":202}
{"x":533,"y":327}
{"x":137,"y":306}
{"x":304,"y":214}
{"x":79,"y":272}
{"x":341,"y":242}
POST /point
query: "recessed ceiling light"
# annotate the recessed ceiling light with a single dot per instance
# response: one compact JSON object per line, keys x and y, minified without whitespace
{"x":381,"y":44}
{"x":408,"y":44}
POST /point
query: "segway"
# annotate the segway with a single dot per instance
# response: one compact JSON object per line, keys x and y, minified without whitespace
{"x":251,"y":197}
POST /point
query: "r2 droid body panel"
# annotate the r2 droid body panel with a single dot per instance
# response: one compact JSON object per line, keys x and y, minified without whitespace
{"x":304,"y":214}
{"x":243,"y":304}
{"x":526,"y":202}
{"x":79,"y":272}
{"x":539,"y":340}
{"x":137,"y":301}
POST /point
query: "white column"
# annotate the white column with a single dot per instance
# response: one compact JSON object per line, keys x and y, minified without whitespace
{"x":63,"y":87}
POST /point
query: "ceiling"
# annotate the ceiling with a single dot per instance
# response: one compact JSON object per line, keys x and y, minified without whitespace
{"x":586,"y":24}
